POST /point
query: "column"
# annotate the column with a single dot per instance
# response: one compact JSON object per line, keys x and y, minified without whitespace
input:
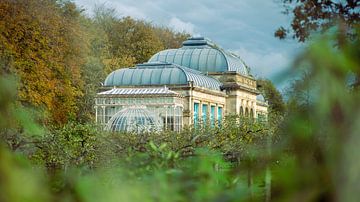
{"x":103,"y":118}
{"x":96,"y":114}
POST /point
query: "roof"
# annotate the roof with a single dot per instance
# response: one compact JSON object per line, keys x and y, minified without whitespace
{"x":139,"y":91}
{"x":260,"y":98}
{"x":160,"y":73}
{"x":203,"y":55}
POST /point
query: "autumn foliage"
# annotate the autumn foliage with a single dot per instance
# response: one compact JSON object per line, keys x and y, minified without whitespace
{"x":60,"y":56}
{"x":39,"y":40}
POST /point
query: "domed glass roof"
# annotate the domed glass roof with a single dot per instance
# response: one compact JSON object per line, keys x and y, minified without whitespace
{"x":134,"y":119}
{"x":260,"y":98}
{"x":160,"y":74}
{"x":201,"y":54}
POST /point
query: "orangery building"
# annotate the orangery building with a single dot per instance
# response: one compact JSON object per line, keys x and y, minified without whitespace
{"x":199,"y":83}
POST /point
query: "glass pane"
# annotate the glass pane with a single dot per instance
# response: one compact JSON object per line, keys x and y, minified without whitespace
{"x":196,"y":113}
{"x":220,"y":62}
{"x":127,"y":77}
{"x":211,"y":59}
{"x":204,"y":113}
{"x":146,"y":77}
{"x":155,"y":77}
{"x":170,"y":56}
{"x":194,"y":64}
{"x":136,"y":80}
{"x":162,"y":57}
{"x":165,"y":76}
{"x":178,"y":56}
{"x":212,"y":116}
{"x":219,"y":115}
{"x":187,"y":58}
{"x":203,"y":60}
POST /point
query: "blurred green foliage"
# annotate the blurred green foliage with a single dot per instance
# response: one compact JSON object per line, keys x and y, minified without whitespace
{"x":320,"y":131}
{"x":82,"y":163}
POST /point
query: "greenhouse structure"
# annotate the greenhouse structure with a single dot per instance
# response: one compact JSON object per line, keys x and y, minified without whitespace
{"x":196,"y":84}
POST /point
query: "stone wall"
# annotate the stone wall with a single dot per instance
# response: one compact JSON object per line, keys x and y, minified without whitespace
{"x":201,"y":96}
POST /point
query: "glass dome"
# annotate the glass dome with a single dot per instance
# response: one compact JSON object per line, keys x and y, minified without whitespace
{"x":159,"y":74}
{"x":201,"y":54}
{"x":260,"y":98}
{"x":134,"y":119}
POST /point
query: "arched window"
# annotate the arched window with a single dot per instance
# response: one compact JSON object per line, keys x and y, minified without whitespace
{"x":251,"y":113}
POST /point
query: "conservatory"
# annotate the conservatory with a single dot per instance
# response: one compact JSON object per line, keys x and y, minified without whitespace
{"x":196,"y":84}
{"x":163,"y":108}
{"x":135,"y":119}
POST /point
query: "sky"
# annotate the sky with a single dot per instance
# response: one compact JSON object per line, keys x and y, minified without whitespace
{"x":245,"y":27}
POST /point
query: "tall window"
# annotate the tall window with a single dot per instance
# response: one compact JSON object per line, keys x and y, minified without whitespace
{"x":219,"y":116}
{"x":204,"y":113}
{"x":196,"y":113}
{"x":212,"y":116}
{"x":241,"y":111}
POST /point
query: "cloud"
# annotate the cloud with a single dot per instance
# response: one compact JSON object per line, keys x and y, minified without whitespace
{"x":181,"y":26}
{"x":246,"y":26}
{"x":126,"y":10}
{"x":120,"y":8}
{"x":268,"y":64}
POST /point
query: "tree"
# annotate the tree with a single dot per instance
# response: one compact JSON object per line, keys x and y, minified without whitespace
{"x":61,"y":56}
{"x":272,"y":95}
{"x":311,"y":16}
{"x":319,"y":131}
{"x":133,"y":41}
{"x":130,"y":41}
{"x":169,"y":38}
{"x":43,"y":45}
{"x":319,"y":15}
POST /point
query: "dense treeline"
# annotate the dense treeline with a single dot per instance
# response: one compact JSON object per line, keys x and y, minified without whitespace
{"x":41,"y":43}
{"x":60,"y":55}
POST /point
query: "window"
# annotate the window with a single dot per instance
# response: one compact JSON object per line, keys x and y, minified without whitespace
{"x":204,"y":113}
{"x":196,"y":113}
{"x":251,"y":113}
{"x":212,"y":116}
{"x":170,"y":123}
{"x":219,"y":117}
{"x":100,"y":115}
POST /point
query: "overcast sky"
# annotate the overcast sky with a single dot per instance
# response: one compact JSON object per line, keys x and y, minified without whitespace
{"x":245,"y":27}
